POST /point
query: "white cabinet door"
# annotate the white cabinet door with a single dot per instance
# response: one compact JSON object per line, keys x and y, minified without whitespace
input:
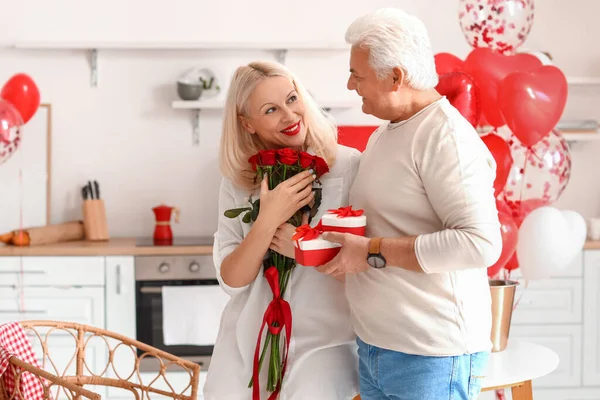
{"x":72,"y":304}
{"x":566,"y":341}
{"x":591,"y":319}
{"x":120,"y":317}
{"x":549,"y":301}
{"x":52,"y":271}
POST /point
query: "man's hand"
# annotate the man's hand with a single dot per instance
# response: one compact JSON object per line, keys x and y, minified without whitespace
{"x":352,"y":257}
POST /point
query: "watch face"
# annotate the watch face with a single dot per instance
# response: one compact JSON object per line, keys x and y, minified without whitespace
{"x":376,"y":261}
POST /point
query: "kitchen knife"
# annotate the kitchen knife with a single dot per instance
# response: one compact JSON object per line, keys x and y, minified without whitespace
{"x":97,"y":187}
{"x":84,"y":193}
{"x":90,"y":190}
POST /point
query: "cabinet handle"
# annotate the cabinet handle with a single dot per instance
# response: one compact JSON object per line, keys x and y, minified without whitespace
{"x":25,"y":272}
{"x":118,"y":278}
{"x":23,"y":312}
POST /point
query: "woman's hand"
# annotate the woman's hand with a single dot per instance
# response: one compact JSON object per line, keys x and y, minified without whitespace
{"x":282,"y":240}
{"x":278,"y":205}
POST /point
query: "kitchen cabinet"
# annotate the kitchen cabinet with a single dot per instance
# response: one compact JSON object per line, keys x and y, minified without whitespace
{"x":591,"y":326}
{"x":120,"y":318}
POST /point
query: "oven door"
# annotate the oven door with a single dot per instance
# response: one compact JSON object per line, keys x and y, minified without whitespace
{"x":149,"y":325}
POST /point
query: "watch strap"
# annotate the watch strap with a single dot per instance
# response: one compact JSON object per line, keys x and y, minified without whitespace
{"x":375,"y":245}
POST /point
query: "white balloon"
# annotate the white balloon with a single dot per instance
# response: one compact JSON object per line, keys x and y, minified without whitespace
{"x":549,"y":240}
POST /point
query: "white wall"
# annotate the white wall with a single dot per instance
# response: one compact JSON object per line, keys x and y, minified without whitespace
{"x":125,"y":134}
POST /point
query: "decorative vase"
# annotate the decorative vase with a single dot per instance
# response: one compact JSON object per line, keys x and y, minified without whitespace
{"x":503,"y":299}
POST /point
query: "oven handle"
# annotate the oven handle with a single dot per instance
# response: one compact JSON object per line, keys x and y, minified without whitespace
{"x":151,"y":290}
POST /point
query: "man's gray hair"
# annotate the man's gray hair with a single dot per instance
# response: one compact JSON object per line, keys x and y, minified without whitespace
{"x":395,"y":38}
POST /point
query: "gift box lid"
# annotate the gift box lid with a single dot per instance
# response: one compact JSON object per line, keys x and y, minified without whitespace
{"x":315,"y":244}
{"x":347,"y":222}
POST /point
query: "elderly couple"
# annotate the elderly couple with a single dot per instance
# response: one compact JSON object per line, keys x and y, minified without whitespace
{"x":403,"y":313}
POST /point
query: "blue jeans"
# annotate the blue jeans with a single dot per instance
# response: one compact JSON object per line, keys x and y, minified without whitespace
{"x":391,"y":375}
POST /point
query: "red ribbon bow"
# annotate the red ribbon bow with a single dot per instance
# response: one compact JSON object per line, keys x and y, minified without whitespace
{"x":277,"y":317}
{"x":305,"y":232}
{"x":344,"y":212}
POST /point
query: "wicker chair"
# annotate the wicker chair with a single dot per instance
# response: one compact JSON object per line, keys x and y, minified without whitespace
{"x":46,"y":379}
{"x":78,"y":373}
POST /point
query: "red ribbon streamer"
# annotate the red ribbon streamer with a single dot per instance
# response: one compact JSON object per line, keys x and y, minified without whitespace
{"x":344,"y":212}
{"x":277,"y":316}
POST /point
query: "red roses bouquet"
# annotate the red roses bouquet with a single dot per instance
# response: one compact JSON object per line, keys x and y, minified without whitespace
{"x":279,"y":165}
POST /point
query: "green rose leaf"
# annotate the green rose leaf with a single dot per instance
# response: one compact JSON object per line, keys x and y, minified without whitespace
{"x":235,"y":212}
{"x":247,"y":217}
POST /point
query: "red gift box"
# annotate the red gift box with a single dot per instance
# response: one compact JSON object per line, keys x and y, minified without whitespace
{"x":310,"y":249}
{"x":345,"y":220}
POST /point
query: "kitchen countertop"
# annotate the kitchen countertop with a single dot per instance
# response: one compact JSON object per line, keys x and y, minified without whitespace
{"x":128,"y":247}
{"x":112,"y":247}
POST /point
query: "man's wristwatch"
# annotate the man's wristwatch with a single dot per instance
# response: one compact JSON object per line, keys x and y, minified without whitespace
{"x":374,"y":258}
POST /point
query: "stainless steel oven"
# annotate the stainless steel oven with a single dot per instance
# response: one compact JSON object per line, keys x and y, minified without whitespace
{"x":151,"y":274}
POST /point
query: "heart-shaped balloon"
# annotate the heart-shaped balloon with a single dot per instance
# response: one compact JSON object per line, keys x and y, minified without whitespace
{"x":489,"y":69}
{"x":533,"y":102}
{"x":500,"y":149}
{"x":10,"y":130}
{"x":510,"y":234}
{"x":549,"y":240}
{"x":446,"y":63}
{"x":462,"y":93}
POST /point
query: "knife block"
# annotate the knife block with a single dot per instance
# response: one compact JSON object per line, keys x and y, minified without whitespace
{"x":94,"y":220}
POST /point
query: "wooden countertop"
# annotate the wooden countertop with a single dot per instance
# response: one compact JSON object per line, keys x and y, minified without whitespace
{"x":113,"y":247}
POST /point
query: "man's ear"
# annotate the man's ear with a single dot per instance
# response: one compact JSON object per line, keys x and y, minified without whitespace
{"x":397,"y":78}
{"x":246,"y":124}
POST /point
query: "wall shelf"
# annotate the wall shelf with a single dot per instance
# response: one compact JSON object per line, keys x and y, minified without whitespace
{"x":75,"y":45}
{"x":280,"y":48}
{"x":574,"y":136}
{"x":582,"y":80}
{"x":218,"y":104}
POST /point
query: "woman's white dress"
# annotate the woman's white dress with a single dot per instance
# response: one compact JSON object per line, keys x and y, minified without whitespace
{"x":322,"y":364}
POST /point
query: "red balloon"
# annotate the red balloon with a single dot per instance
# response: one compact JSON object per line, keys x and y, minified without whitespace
{"x":510,"y":233}
{"x":10,"y":130}
{"x":533,"y":102}
{"x":489,"y":69}
{"x":446,"y":63}
{"x":504,"y":161}
{"x":463,"y":94}
{"x":513,"y":263}
{"x":22,"y":92}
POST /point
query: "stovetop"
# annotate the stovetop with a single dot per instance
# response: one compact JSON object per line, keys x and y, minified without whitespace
{"x":177,"y":241}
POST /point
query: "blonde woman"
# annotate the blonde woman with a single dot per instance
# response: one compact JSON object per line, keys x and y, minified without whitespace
{"x":267,"y":108}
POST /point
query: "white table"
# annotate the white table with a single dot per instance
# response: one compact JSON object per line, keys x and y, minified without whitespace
{"x":516,"y":366}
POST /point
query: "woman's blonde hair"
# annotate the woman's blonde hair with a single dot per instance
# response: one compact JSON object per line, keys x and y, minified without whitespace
{"x":237,"y":144}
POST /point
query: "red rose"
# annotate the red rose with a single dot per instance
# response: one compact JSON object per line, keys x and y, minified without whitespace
{"x":287,"y":156}
{"x":253,"y":161}
{"x":321,"y":166}
{"x":268,"y":157}
{"x":306,"y":160}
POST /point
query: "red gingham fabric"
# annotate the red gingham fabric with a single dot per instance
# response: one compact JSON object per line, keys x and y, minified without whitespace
{"x":13,"y":342}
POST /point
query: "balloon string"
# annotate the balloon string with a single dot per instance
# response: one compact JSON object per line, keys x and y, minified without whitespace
{"x":21,"y":269}
{"x":523,"y":182}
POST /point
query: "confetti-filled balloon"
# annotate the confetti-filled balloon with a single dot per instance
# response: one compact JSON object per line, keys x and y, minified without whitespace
{"x":10,"y":130}
{"x":539,"y":174}
{"x":501,"y":25}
